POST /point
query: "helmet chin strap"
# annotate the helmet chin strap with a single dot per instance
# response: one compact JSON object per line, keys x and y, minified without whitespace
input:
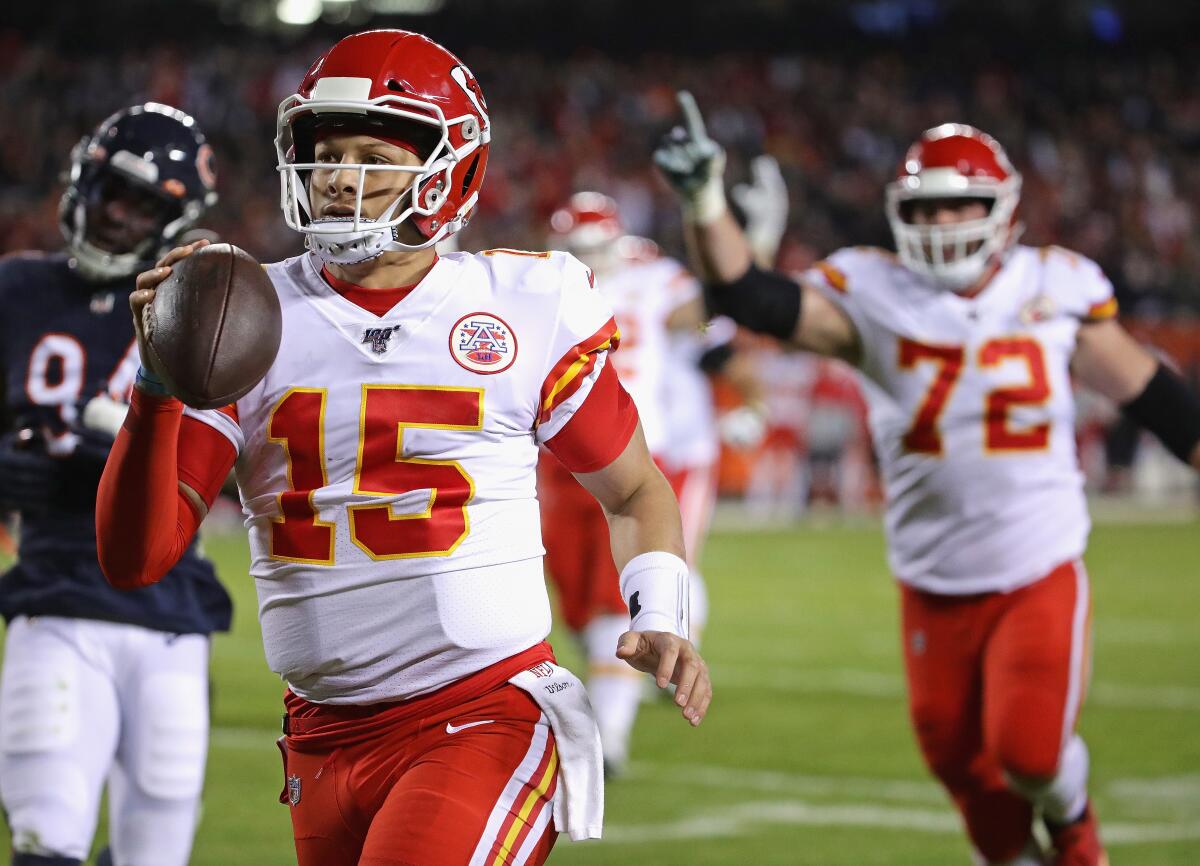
{"x":356,"y":247}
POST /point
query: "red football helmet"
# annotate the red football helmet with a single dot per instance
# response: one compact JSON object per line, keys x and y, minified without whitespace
{"x":398,"y":85}
{"x":588,"y":221}
{"x":954,"y":161}
{"x":588,"y":226}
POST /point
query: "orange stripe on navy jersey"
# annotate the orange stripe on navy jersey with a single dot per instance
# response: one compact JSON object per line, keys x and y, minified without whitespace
{"x":1104,"y":310}
{"x":573,"y":368}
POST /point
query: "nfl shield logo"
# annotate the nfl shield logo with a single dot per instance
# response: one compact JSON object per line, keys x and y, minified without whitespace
{"x":293,"y":783}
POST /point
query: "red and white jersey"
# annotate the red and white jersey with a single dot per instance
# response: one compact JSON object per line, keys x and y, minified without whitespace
{"x":691,"y":438}
{"x":386,"y":468}
{"x":644,"y":290}
{"x":972,"y":413}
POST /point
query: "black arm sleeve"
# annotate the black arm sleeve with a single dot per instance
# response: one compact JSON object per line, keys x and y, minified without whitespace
{"x":1168,"y":409}
{"x":763,"y":301}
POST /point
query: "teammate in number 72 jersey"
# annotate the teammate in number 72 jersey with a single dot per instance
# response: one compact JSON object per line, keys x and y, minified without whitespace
{"x":966,"y":342}
{"x":386,"y":468}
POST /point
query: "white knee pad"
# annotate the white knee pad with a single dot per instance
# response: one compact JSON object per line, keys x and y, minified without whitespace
{"x":168,"y":743}
{"x":1063,"y":798}
{"x":57,"y":820}
{"x":600,"y":638}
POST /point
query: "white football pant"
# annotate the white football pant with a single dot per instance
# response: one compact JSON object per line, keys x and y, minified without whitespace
{"x":84,"y":701}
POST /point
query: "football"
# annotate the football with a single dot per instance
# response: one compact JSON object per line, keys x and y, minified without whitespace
{"x":214,"y":326}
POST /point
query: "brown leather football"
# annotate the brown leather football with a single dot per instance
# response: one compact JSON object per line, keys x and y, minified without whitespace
{"x":214,"y":326}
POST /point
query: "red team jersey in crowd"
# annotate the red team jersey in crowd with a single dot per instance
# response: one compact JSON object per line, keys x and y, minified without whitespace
{"x":972,"y":412}
{"x":386,"y":468}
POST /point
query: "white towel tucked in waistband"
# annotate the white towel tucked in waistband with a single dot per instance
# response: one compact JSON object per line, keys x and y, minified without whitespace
{"x":579,"y":800}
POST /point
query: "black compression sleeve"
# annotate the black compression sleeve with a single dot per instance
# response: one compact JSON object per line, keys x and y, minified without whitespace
{"x":1168,"y":409}
{"x":763,"y":301}
{"x":715,"y":359}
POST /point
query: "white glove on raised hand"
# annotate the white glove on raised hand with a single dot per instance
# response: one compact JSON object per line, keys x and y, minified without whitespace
{"x":743,"y":428}
{"x":693,"y":164}
{"x":764,"y":201}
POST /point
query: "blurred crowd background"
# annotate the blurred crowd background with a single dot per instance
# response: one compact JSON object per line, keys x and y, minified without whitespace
{"x":1098,"y":104}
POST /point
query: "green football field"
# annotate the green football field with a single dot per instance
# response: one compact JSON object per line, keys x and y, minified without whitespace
{"x":806,"y":757}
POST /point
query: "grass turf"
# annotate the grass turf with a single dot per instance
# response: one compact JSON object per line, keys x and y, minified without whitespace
{"x":806,"y":757}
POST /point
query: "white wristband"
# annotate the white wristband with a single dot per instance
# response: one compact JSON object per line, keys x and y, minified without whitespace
{"x":708,"y":203}
{"x":655,"y":586}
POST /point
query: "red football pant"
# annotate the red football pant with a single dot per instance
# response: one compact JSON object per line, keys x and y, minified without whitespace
{"x":995,"y":684}
{"x":434,"y":789}
{"x":578,"y":552}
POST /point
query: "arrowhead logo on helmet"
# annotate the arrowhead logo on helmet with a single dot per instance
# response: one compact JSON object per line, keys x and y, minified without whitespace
{"x":949,"y":162}
{"x":377,"y":80}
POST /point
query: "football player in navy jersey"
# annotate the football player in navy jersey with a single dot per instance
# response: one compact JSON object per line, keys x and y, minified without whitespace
{"x":98,"y":685}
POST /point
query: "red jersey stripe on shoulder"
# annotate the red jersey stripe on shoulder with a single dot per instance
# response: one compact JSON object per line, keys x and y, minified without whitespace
{"x":574,"y":366}
{"x":231,"y":411}
{"x":600,"y":429}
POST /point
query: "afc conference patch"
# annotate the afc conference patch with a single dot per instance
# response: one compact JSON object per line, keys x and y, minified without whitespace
{"x":483,"y":343}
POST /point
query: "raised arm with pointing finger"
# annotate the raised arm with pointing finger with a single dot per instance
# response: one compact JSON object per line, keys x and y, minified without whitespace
{"x":721,"y":256}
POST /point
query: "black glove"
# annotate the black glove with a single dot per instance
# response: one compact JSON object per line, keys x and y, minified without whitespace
{"x":29,"y":477}
{"x":692,"y":163}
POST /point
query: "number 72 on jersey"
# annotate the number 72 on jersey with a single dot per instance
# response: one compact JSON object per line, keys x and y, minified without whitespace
{"x":924,"y":435}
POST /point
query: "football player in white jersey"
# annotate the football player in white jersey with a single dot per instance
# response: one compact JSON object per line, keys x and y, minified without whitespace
{"x":966,"y":342}
{"x":386,"y":467}
{"x":651,"y":297}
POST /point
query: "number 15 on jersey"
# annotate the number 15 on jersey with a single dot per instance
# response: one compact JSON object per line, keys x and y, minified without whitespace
{"x":297,"y":423}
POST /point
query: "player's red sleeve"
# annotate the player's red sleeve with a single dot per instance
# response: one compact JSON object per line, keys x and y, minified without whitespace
{"x":600,"y":428}
{"x":143,"y":522}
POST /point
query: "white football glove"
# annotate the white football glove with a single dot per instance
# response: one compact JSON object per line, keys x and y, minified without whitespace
{"x":743,"y":428}
{"x":764,"y":201}
{"x":693,"y":164}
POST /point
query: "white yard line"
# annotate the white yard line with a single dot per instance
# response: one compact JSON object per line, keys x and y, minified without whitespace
{"x":741,"y":819}
{"x":873,"y":684}
{"x":781,"y":782}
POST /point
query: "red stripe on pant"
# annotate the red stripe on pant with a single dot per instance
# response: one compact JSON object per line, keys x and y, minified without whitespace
{"x":527,"y":795}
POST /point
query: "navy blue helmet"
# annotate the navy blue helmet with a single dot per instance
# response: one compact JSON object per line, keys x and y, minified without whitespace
{"x":143,"y":178}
